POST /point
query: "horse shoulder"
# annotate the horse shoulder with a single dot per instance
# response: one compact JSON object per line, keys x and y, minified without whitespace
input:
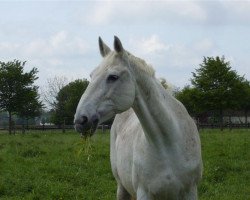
{"x":123,"y":135}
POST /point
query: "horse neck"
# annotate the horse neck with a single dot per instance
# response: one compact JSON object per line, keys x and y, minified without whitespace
{"x":153,"y":107}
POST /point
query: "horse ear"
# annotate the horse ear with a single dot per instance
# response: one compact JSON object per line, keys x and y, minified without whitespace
{"x":118,"y":45}
{"x":104,"y":49}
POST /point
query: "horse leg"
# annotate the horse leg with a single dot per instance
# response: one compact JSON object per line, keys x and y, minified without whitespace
{"x":122,"y":193}
{"x":191,"y":194}
{"x":143,"y":195}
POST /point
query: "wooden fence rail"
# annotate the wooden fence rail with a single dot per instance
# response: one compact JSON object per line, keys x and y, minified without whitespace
{"x":224,"y":126}
{"x":48,"y":127}
{"x":107,"y":127}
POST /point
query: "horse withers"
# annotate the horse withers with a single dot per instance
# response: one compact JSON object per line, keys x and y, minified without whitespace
{"x":155,"y":146}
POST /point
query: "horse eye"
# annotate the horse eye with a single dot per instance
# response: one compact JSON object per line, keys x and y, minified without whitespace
{"x":112,"y":78}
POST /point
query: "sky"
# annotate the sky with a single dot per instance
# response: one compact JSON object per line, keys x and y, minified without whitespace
{"x":60,"y":38}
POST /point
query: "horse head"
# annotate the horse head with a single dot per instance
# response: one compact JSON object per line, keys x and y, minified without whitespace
{"x":110,"y":91}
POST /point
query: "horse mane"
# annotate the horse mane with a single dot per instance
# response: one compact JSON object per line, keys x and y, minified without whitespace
{"x":141,"y":65}
{"x":138,"y":64}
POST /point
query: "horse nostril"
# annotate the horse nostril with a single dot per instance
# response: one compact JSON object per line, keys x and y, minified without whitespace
{"x":84,"y":120}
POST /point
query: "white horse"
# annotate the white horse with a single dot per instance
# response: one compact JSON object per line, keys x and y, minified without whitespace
{"x":155,"y":145}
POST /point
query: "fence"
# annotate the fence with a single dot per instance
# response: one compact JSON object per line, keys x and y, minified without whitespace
{"x":49,"y":127}
{"x":224,"y":126}
{"x":103,"y":128}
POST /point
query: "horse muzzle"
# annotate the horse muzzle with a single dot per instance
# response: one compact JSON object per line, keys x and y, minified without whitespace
{"x":85,"y":125}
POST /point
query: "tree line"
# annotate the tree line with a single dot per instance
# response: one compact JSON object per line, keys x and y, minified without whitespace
{"x":18,"y":94}
{"x":215,"y":88}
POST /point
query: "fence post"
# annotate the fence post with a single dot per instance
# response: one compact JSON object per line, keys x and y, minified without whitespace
{"x":23,"y":129}
{"x":63,"y":126}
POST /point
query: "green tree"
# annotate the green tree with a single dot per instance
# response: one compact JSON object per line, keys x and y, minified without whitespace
{"x":245,"y":100}
{"x":15,"y":87}
{"x":189,"y":96}
{"x":67,"y":101}
{"x":219,"y":87}
{"x":33,"y":106}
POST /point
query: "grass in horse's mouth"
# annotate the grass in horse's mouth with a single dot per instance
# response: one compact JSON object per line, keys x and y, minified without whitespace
{"x":85,"y":146}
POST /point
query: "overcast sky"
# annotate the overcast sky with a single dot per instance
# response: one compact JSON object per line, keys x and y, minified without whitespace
{"x":61,"y":37}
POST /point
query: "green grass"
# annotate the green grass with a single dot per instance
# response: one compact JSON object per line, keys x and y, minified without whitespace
{"x":226,"y":158}
{"x":53,"y":165}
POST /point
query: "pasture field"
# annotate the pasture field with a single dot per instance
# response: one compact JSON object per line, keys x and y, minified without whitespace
{"x":54,"y":165}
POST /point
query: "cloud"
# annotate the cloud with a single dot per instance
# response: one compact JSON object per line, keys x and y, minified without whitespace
{"x":204,"y":46}
{"x":59,"y":38}
{"x":175,"y":54}
{"x":60,"y":54}
{"x":189,"y":55}
{"x":175,"y":61}
{"x":7,"y":48}
{"x":101,"y":13}
{"x":113,"y":12}
{"x":224,"y":13}
{"x":148,"y":45}
{"x":171,"y":35}
{"x":36,"y":48}
{"x":169,"y":12}
{"x":59,"y":44}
